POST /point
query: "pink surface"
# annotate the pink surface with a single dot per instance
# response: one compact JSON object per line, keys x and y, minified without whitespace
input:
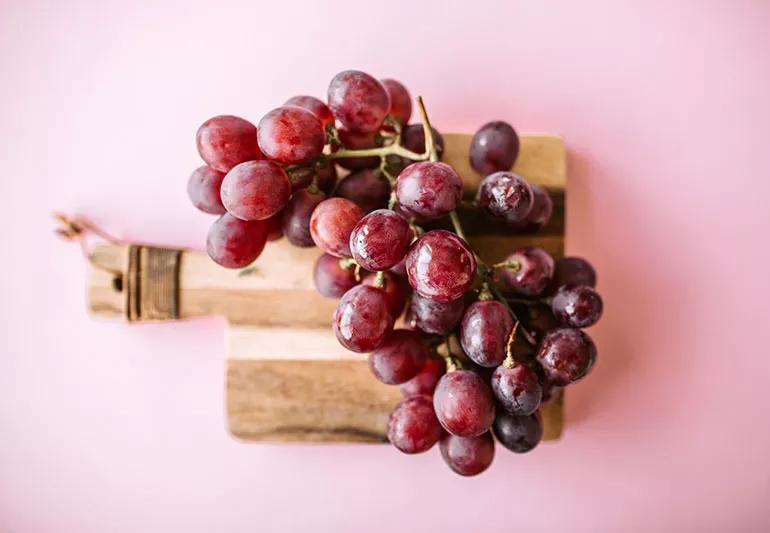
{"x":666,"y":112}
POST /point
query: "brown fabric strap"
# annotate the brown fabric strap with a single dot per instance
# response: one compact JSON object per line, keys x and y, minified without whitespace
{"x":152,"y":283}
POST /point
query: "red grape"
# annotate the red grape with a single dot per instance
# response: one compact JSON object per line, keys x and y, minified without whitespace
{"x":331,"y":224}
{"x":413,"y":426}
{"x":235,"y":243}
{"x":517,"y":389}
{"x":413,"y":139}
{"x":440,"y":266}
{"x":425,"y":380}
{"x":203,"y":190}
{"x":274,"y":226}
{"x":573,"y":271}
{"x":429,"y":189}
{"x":291,"y":135}
{"x":534,"y":272}
{"x":519,"y":433}
{"x":494,"y":147}
{"x":331,"y":280}
{"x":315,"y":106}
{"x":468,"y":456}
{"x":353,"y":140}
{"x":366,"y":189}
{"x":380,"y":240}
{"x":566,"y":355}
{"x":394,"y":289}
{"x":399,"y":358}
{"x":225,"y":140}
{"x":540,"y":214}
{"x":326,"y":176}
{"x":484,"y":332}
{"x":578,"y":306}
{"x":255,"y":190}
{"x":400,"y":100}
{"x":464,"y":403}
{"x":358,"y":101}
{"x":296,"y":217}
{"x":506,"y":195}
{"x":435,"y":318}
{"x":362,"y":319}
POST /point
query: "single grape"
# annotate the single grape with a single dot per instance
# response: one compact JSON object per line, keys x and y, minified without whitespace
{"x":494,"y":147}
{"x":315,"y":106}
{"x":566,"y":355}
{"x":362,"y":319}
{"x":274,"y":226}
{"x":435,"y":318}
{"x":366,"y":189}
{"x":413,"y":426}
{"x":429,"y":189}
{"x":296,"y":216}
{"x":395,"y":291}
{"x":573,"y":271}
{"x":464,"y":403}
{"x":354,"y":140}
{"x":413,"y":139}
{"x":468,"y":456}
{"x":484,"y":332}
{"x":518,"y":433}
{"x":506,"y":195}
{"x":380,"y":240}
{"x":255,"y":190}
{"x":578,"y":306}
{"x":330,"y":278}
{"x":540,"y":214}
{"x":399,"y":358}
{"x":440,"y":266}
{"x":291,"y":135}
{"x":425,"y":380}
{"x":358,"y":101}
{"x":400,"y":100}
{"x":530,"y":274}
{"x":235,"y":243}
{"x":517,"y":389}
{"x":203,"y":190}
{"x":331,"y":224}
{"x":225,"y":141}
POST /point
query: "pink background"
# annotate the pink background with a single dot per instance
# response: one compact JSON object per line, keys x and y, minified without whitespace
{"x":665,"y":107}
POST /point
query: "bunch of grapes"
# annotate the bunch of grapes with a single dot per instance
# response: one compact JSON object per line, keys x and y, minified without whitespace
{"x":480,"y":347}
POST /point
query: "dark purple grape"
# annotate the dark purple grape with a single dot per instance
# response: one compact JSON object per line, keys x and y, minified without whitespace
{"x":395,"y":291}
{"x":517,"y":389}
{"x":464,"y":403}
{"x":435,"y":318}
{"x":274,"y":226}
{"x":566,"y":355}
{"x":440,"y":266}
{"x":578,"y":306}
{"x":400,"y":100}
{"x":540,"y":214}
{"x":326,"y":176}
{"x":531,"y":273}
{"x":366,"y":189}
{"x":413,"y":139}
{"x":203,"y":189}
{"x":484,"y":332}
{"x":255,"y":190}
{"x":353,"y":140}
{"x":468,"y":456}
{"x":429,"y":189}
{"x":362,"y":319}
{"x":494,"y":147}
{"x":315,"y":106}
{"x":413,"y":426}
{"x":506,"y":195}
{"x":358,"y":101}
{"x":537,"y":319}
{"x":296,"y":217}
{"x":518,"y":433}
{"x":235,"y":243}
{"x":331,"y":280}
{"x":226,"y":141}
{"x":380,"y":240}
{"x":399,"y":358}
{"x":425,"y":380}
{"x":331,"y":224}
{"x":573,"y":271}
{"x":291,"y":135}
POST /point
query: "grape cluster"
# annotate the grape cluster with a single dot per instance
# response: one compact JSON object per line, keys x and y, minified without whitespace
{"x":480,"y":347}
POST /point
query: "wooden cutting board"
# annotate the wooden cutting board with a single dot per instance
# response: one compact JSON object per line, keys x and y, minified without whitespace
{"x":287,"y":378}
